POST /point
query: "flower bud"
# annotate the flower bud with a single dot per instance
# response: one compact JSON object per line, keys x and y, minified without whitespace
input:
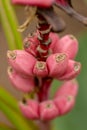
{"x":40,"y":3}
{"x":64,"y":104}
{"x":68,"y":45}
{"x":67,"y":88}
{"x":72,"y":71}
{"x":21,"y":61}
{"x":25,"y":84}
{"x":48,"y":110}
{"x":57,"y":64}
{"x":40,"y":69}
{"x":31,"y":43}
{"x":54,"y":40}
{"x":30,"y":109}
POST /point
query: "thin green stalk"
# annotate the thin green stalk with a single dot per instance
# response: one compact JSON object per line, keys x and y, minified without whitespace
{"x":10,"y":25}
{"x":17,"y":120}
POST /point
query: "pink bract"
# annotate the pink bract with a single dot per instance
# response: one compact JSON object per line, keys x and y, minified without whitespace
{"x":41,"y":3}
{"x":62,"y":2}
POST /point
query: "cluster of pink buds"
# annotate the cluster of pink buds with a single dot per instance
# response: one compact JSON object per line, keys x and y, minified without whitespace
{"x":62,"y":103}
{"x":32,"y":71}
{"x":45,"y":57}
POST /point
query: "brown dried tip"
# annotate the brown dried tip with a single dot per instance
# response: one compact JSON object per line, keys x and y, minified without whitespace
{"x":26,"y":45}
{"x":10,"y":70}
{"x":24,"y":100}
{"x":77,"y":67}
{"x":31,"y":13}
{"x":72,"y":37}
{"x":11,"y":55}
{"x":69,"y":98}
{"x":60,"y":57}
{"x":40,"y":65}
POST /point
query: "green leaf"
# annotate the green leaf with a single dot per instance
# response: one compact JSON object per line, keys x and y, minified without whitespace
{"x":5,"y":127}
{"x":9,"y":100}
{"x":17,"y":120}
{"x":10,"y":25}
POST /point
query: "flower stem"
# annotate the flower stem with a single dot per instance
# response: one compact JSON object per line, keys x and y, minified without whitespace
{"x":43,"y":93}
{"x":44,"y":29}
{"x":44,"y":125}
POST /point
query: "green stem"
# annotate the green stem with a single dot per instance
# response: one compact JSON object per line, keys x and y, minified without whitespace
{"x":10,"y":25}
{"x":44,"y":125}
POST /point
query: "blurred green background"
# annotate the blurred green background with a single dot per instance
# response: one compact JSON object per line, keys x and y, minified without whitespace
{"x":77,"y":119}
